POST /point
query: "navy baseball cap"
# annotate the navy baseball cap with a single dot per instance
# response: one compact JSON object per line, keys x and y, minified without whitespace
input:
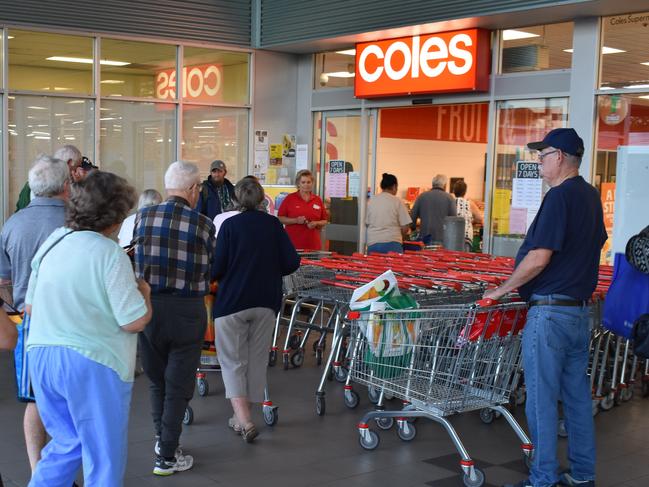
{"x":565,"y":139}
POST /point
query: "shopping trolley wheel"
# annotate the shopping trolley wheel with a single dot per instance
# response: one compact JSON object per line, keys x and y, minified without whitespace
{"x":645,"y":389}
{"x":562,"y":432}
{"x":271,"y":415}
{"x":340,"y":373}
{"x":272,"y":358}
{"x":188,"y":417}
{"x":373,"y":394}
{"x":478,"y":480}
{"x":320,"y":405}
{"x":406,"y":431}
{"x":385,"y":423}
{"x":607,"y":403}
{"x":627,"y":393}
{"x":487,"y":415}
{"x":203,"y":387}
{"x":297,"y":358}
{"x":617,"y":398}
{"x":369,"y":439}
{"x":351,"y":398}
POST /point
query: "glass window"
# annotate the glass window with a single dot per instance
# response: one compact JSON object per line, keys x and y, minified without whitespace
{"x":215,"y":76}
{"x":39,"y":61}
{"x":137,"y":141}
{"x":519,"y":122}
{"x":625,"y":59}
{"x":39,"y":125}
{"x":537,"y":48}
{"x":149,"y":73}
{"x":1,"y":57}
{"x":211,"y":133}
{"x":334,"y":69}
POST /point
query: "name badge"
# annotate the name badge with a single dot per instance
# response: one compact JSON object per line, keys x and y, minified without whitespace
{"x":316,"y":207}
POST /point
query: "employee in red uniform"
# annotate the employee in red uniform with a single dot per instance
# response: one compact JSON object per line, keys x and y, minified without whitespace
{"x":303,"y":214}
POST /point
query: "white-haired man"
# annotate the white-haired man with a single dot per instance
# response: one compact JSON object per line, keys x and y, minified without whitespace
{"x":174,"y":251}
{"x":432,"y":207}
{"x":20,"y":238}
{"x":68,"y":154}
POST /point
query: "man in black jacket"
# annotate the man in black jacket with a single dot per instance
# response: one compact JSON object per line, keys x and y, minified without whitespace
{"x":217,"y":192}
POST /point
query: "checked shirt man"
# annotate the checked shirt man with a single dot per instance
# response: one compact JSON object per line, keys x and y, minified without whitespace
{"x":556,"y":272}
{"x":174,"y":251}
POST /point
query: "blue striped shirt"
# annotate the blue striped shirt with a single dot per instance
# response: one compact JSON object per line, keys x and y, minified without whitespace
{"x":174,"y":248}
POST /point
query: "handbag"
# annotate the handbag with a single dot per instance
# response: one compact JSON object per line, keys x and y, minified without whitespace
{"x":637,"y":251}
{"x":25,"y":392}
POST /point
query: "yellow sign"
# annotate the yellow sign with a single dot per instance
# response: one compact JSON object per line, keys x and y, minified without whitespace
{"x":501,"y":207}
{"x":276,"y":151}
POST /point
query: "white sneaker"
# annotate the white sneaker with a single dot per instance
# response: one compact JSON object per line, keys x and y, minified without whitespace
{"x":180,"y":464}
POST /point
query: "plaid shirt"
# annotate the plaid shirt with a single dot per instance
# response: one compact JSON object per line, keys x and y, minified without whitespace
{"x":174,"y":248}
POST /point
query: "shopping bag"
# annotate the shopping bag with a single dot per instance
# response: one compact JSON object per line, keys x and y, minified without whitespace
{"x":390,"y":337}
{"x":23,"y":383}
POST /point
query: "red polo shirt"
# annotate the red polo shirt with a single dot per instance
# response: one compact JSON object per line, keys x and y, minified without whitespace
{"x":303,"y":237}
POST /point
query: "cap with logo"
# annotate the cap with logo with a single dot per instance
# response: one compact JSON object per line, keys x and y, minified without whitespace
{"x":218,"y":164}
{"x":566,"y":140}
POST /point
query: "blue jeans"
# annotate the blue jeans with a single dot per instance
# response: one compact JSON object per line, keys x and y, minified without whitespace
{"x":84,"y":407}
{"x":385,"y":247}
{"x":555,"y":363}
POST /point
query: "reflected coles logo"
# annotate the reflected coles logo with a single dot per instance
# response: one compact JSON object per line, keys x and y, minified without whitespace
{"x":444,"y":62}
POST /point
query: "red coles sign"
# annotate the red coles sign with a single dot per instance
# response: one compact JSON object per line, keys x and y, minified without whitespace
{"x":433,"y":63}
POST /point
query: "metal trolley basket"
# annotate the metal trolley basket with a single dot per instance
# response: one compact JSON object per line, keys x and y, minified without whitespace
{"x":442,"y":360}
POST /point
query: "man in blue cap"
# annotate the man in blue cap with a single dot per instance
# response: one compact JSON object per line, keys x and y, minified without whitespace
{"x":556,"y":273}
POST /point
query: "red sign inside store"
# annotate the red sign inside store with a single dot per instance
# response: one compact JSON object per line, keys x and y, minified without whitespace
{"x":453,"y":123}
{"x":200,"y":83}
{"x":433,"y":63}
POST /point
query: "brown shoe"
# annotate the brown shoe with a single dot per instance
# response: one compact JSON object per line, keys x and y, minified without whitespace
{"x":249,"y":433}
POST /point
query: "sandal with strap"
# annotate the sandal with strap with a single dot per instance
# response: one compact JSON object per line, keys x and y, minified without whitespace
{"x":249,"y":433}
{"x":232,"y":423}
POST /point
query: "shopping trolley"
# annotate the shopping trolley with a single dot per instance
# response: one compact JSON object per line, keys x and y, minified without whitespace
{"x":442,"y":361}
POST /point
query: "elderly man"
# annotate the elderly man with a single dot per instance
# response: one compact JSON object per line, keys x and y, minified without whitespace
{"x":217,"y":193}
{"x":67,"y":153}
{"x":21,"y":237}
{"x":432,"y":207}
{"x":556,"y":272}
{"x":174,"y":250}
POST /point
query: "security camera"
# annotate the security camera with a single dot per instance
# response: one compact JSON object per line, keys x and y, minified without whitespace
{"x":324,"y":79}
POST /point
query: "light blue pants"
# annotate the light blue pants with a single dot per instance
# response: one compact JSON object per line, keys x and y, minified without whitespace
{"x":84,"y":406}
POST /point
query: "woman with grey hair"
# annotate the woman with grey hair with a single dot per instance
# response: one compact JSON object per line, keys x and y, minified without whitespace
{"x":149,"y":197}
{"x":248,"y":299}
{"x":85,"y":313}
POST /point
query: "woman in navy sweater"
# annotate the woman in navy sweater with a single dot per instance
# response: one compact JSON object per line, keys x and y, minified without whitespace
{"x":253,"y":252}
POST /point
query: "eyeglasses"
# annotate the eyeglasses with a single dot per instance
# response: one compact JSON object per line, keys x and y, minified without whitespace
{"x":542,"y":156}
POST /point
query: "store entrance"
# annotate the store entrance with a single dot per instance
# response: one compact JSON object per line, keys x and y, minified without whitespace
{"x":417,"y":143}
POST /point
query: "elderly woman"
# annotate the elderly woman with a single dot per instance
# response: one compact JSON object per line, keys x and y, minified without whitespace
{"x":468,"y":210}
{"x":250,"y":293}
{"x":387,"y":219}
{"x":85,"y":308}
{"x":303,"y":214}
{"x":149,"y":197}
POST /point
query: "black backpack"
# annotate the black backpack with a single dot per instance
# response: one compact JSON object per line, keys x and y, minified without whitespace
{"x":637,"y":251}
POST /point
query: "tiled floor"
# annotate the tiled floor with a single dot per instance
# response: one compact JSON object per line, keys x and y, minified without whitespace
{"x":304,"y":449}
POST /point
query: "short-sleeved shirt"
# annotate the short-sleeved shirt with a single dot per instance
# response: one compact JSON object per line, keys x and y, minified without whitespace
{"x":21,"y":237}
{"x":571,"y":224}
{"x":386,"y":214}
{"x":293,"y":206}
{"x":174,"y":248}
{"x":433,"y":207}
{"x":82,"y":292}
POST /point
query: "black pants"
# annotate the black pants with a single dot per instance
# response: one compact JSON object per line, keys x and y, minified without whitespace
{"x":171,"y":350}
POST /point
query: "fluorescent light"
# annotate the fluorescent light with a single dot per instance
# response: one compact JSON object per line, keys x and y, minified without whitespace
{"x":36,"y":132}
{"x":637,"y":86}
{"x":76,"y":122}
{"x":607,"y":88}
{"x":61,"y":114}
{"x":10,"y":37}
{"x":204,"y":127}
{"x":38,"y":108}
{"x":210,"y":121}
{"x":42,"y":137}
{"x":340,"y":74}
{"x":605,"y":50}
{"x":74,"y":102}
{"x":112,"y":82}
{"x":348,"y":52}
{"x":85,"y":60}
{"x":107,"y":118}
{"x":511,"y":35}
{"x":646,"y":97}
{"x":70,"y":137}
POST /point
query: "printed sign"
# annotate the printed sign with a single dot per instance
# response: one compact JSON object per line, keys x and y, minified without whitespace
{"x":434,"y":63}
{"x":336,"y":166}
{"x":200,"y":83}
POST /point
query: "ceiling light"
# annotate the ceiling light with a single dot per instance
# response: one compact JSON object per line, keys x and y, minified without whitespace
{"x":646,"y":97}
{"x":61,"y":114}
{"x":37,"y":108}
{"x":511,"y":35}
{"x":340,"y":74}
{"x":77,"y":122}
{"x":607,"y":88}
{"x":85,"y":60}
{"x":42,"y":137}
{"x":107,"y":118}
{"x":204,"y":127}
{"x":348,"y":52}
{"x":112,"y":82}
{"x":210,"y":121}
{"x":75,"y":102}
{"x":637,"y":86}
{"x":10,"y":37}
{"x":605,"y":50}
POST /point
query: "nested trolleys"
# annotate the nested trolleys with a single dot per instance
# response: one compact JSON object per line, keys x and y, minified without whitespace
{"x":441,"y":361}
